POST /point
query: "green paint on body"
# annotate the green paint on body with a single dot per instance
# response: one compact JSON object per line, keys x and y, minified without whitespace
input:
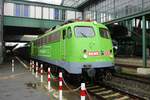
{"x":72,"y":49}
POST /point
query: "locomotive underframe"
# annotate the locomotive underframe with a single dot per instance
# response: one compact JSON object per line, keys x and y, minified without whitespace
{"x":76,"y":67}
{"x":88,"y":72}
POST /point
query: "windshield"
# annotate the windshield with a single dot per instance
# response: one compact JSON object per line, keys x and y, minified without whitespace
{"x":84,"y":31}
{"x":104,"y":33}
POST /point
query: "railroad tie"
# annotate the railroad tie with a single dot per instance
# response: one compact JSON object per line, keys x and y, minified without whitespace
{"x":98,"y":89}
{"x":122,"y":98}
{"x":104,"y":92}
{"x":88,"y":85}
{"x":111,"y":95}
{"x":92,"y":87}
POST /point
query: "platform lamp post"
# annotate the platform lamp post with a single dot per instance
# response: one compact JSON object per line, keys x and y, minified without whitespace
{"x":144,"y":45}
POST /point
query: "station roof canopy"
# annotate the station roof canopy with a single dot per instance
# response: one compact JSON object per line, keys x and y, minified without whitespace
{"x":73,"y":3}
{"x":69,"y":3}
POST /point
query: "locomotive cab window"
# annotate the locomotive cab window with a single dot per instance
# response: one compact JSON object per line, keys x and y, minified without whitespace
{"x":104,"y":33}
{"x":84,"y":31}
{"x":69,"y":33}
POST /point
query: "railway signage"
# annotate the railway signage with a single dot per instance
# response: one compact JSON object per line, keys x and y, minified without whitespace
{"x":97,"y":53}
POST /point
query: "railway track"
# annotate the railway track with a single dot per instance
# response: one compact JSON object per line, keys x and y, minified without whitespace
{"x":138,"y":78}
{"x":103,"y":92}
{"x":107,"y":92}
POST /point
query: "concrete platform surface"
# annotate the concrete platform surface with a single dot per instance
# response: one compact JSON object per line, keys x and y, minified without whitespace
{"x":131,"y":61}
{"x":145,"y":71}
{"x":18,"y":85}
{"x":22,"y":85}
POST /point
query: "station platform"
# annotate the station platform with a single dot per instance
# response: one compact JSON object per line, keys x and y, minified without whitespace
{"x":134,"y":62}
{"x":132,"y":66}
{"x":17,"y":85}
{"x":22,"y":85}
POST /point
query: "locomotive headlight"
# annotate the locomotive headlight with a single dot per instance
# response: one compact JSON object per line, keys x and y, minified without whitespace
{"x":111,"y":56}
{"x":85,"y":56}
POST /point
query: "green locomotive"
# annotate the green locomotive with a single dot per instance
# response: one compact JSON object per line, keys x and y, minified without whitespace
{"x":76,"y":47}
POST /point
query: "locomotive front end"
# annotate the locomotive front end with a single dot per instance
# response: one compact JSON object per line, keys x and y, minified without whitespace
{"x":92,"y":50}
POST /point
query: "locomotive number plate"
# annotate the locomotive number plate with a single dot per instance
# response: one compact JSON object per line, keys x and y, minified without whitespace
{"x":96,"y":53}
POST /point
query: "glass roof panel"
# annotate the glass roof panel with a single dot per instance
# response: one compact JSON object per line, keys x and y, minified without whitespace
{"x":55,"y":2}
{"x":73,"y":3}
{"x":69,"y":3}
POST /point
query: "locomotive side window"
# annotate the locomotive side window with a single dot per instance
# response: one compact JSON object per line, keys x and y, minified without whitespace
{"x":54,"y":37}
{"x":69,"y":33}
{"x":64,"y":34}
{"x":84,"y":31}
{"x":104,"y":33}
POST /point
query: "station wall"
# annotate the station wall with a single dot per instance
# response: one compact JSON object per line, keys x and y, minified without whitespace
{"x":107,"y":10}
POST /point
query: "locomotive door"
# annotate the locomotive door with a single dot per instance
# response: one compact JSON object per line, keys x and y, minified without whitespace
{"x":63,"y":45}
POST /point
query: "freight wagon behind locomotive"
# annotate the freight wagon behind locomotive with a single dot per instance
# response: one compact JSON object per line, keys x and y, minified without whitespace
{"x":76,"y":48}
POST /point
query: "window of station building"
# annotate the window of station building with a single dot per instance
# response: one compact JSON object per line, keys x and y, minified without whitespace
{"x":18,"y":10}
{"x":45,"y":13}
{"x":38,"y":12}
{"x":69,"y":33}
{"x":51,"y":13}
{"x":26,"y":11}
{"x":79,"y":15}
{"x":104,"y":33}
{"x":69,"y":15}
{"x":56,"y":13}
{"x":32,"y":11}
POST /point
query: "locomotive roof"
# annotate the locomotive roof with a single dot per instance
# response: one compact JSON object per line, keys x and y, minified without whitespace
{"x":82,"y":23}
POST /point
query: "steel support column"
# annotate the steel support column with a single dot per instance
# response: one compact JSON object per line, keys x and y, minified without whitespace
{"x":1,"y":31}
{"x":144,"y":41}
{"x":130,"y":25}
{"x":114,"y":9}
